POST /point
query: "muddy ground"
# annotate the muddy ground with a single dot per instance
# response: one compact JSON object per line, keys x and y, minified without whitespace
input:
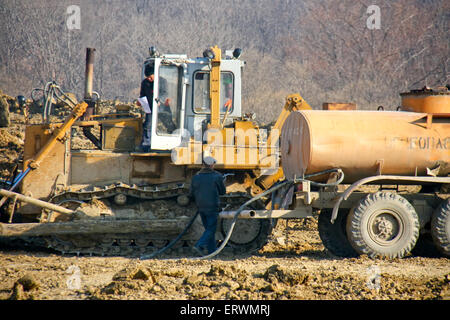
{"x":293,"y":265}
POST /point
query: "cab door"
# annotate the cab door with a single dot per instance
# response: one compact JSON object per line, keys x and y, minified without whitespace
{"x":168,"y":106}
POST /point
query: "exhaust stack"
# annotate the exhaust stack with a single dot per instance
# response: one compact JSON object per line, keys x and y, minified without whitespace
{"x":89,"y":73}
{"x":88,"y":82}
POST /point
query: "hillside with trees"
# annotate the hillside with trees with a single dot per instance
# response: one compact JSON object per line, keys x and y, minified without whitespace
{"x":323,"y":50}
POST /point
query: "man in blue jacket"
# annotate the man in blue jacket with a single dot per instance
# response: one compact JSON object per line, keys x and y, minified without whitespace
{"x":206,"y":187}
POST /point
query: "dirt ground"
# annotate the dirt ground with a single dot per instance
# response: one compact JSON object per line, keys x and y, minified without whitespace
{"x":293,"y":265}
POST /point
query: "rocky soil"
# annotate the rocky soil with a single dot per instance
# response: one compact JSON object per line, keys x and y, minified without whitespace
{"x":293,"y":265}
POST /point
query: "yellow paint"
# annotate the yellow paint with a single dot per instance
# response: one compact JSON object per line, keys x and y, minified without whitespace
{"x":214,"y":88}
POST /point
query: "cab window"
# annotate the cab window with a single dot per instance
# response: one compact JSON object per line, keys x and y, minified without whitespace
{"x":169,"y":100}
{"x":202,"y":102}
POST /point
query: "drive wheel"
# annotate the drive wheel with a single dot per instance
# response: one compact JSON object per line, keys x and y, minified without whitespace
{"x":248,"y":235}
{"x":383,"y":224}
{"x":440,"y":228}
{"x":334,"y":235}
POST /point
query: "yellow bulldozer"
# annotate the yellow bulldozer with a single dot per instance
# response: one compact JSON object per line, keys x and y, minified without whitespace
{"x":110,"y":198}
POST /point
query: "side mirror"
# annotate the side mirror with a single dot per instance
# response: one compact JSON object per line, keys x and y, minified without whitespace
{"x":237,"y":53}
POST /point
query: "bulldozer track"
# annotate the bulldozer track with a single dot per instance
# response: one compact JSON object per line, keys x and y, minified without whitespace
{"x":134,"y":245}
{"x":146,"y":192}
{"x":117,"y":245}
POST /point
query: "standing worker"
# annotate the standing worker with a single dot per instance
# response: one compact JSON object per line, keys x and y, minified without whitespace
{"x":147,"y":91}
{"x":206,"y":187}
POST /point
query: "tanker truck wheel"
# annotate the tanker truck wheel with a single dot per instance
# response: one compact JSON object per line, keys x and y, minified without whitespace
{"x":334,"y":235}
{"x":440,"y":228}
{"x":383,"y":224}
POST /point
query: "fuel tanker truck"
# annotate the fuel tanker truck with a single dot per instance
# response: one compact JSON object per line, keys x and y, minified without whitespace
{"x":394,"y":171}
{"x":378,"y":180}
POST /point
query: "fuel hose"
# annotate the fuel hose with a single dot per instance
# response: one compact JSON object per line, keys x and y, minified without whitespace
{"x":172,"y":243}
{"x":242,"y":207}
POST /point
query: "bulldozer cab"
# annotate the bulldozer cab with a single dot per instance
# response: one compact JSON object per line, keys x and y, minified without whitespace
{"x":182,"y":106}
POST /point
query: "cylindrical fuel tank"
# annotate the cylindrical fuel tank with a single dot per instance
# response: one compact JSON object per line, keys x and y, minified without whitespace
{"x":426,"y":100}
{"x":365,"y":143}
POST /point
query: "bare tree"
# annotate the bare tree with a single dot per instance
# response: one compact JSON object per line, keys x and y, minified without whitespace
{"x":321,"y":49}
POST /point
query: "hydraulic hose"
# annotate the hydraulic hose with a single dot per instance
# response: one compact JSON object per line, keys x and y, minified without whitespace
{"x":172,"y":243}
{"x":224,"y":243}
{"x":269,"y":191}
{"x":52,"y":91}
{"x":242,"y":207}
{"x":233,"y":223}
{"x":331,"y":184}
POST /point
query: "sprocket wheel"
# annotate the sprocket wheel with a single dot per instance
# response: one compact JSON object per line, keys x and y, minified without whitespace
{"x":249,"y":235}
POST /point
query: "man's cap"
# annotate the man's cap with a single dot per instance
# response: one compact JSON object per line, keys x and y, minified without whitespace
{"x":209,"y":161}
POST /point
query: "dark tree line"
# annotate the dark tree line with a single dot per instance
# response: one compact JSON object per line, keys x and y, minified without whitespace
{"x":321,"y":49}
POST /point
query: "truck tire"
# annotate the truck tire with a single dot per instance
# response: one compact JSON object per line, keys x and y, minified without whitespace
{"x":334,"y":235}
{"x":440,"y":228}
{"x":383,"y":224}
